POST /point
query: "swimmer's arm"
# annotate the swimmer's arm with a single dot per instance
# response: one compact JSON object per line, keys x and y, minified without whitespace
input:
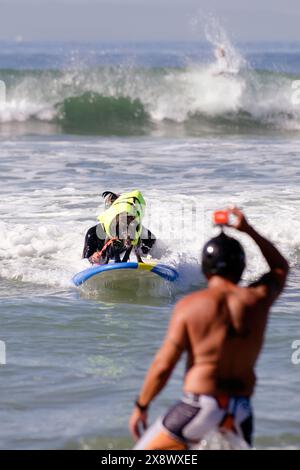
{"x":93,"y":243}
{"x":166,"y":358}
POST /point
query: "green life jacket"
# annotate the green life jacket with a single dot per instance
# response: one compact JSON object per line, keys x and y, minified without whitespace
{"x":128,"y":204}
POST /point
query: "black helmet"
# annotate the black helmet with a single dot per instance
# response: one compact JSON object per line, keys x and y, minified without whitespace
{"x":223,"y":256}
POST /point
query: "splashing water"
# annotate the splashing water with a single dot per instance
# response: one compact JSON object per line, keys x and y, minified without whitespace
{"x":222,"y":94}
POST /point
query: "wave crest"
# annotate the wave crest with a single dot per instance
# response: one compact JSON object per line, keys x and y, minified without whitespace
{"x":124,"y":100}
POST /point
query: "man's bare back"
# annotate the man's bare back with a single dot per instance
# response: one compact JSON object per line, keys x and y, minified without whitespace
{"x":236,"y":319}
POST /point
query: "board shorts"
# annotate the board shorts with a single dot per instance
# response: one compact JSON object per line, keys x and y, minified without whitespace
{"x":193,"y":417}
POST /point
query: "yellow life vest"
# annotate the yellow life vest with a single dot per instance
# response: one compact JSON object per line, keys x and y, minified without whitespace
{"x":130,"y":204}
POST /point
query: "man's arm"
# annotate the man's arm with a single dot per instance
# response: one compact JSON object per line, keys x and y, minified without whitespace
{"x":275,"y":279}
{"x":165,"y":359}
{"x":174,"y":344}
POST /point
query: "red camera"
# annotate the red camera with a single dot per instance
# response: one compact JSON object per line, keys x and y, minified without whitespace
{"x":221,"y":217}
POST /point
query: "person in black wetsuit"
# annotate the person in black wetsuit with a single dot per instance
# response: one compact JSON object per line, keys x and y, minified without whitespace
{"x":98,"y":249}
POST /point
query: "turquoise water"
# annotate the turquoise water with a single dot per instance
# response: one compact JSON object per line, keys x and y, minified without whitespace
{"x":76,"y":359}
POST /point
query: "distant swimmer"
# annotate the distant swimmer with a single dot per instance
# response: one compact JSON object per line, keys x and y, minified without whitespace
{"x":223,"y":65}
{"x":222,"y":330}
{"x":220,"y":53}
{"x":120,"y":230}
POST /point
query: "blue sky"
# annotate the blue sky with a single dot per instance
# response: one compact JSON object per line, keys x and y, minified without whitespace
{"x":147,"y":19}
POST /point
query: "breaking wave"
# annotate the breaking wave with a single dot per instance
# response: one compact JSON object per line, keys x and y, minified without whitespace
{"x":223,"y":96}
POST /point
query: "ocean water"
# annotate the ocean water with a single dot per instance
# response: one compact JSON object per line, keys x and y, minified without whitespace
{"x":78,"y":119}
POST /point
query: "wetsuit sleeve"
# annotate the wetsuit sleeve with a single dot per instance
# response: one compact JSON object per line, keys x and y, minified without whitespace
{"x":147,"y":241}
{"x":92,"y":242}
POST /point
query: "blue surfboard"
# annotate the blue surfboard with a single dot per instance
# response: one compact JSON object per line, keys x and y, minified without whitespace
{"x":166,"y":272}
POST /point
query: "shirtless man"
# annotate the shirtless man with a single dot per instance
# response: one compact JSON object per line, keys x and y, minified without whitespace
{"x":222,"y":329}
